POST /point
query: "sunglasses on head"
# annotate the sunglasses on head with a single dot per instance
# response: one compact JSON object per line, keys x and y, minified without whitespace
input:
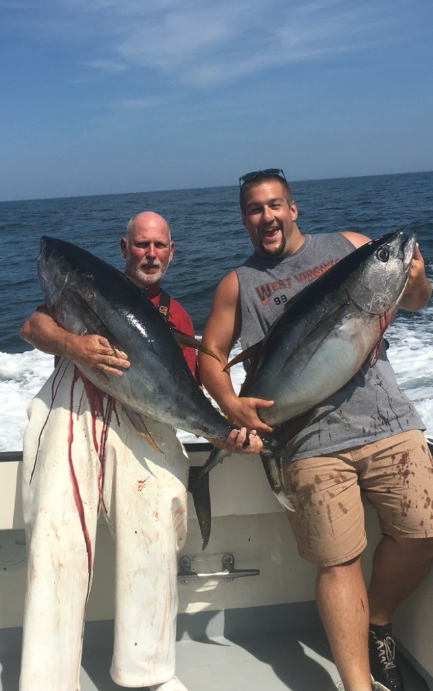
{"x":267,"y":171}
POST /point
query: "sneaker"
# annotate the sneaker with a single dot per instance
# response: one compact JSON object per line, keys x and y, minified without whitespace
{"x":383,"y":667}
{"x":339,"y":686}
{"x":172,"y":685}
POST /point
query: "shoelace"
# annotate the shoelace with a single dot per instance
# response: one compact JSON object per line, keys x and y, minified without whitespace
{"x":386,"y":650}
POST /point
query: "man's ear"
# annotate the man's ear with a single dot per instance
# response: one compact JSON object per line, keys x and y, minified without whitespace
{"x":123,"y":247}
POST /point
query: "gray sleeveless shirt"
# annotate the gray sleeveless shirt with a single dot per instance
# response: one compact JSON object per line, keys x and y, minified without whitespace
{"x":370,"y":406}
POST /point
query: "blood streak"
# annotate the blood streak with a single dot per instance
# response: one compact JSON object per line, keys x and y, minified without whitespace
{"x":101,"y":407}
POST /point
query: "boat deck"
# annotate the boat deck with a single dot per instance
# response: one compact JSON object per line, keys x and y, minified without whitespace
{"x":284,"y":660}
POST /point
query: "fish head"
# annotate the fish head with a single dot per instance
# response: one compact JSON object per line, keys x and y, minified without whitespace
{"x":64,"y":280}
{"x":379,"y":284}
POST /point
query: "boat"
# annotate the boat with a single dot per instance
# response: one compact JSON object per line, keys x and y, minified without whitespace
{"x":247,"y":615}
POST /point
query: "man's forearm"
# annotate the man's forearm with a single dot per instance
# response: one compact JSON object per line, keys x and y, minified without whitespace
{"x":217,"y":383}
{"x":42,"y":332}
{"x":418,"y":298}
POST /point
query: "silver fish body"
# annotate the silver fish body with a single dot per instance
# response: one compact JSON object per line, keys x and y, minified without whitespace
{"x":330,"y":330}
{"x":86,"y":295}
{"x":322,"y":339}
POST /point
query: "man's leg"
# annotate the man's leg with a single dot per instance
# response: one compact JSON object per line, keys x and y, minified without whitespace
{"x":328,"y":525}
{"x":399,"y":565}
{"x":60,"y":503}
{"x":146,"y":502}
{"x":396,"y":479}
{"x":343,"y":607}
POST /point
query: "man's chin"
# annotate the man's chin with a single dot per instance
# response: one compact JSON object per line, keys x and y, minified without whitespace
{"x":148,"y":279}
{"x":273,"y":251}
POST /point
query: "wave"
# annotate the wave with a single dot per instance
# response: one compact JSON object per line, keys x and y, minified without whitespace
{"x":411,"y":354}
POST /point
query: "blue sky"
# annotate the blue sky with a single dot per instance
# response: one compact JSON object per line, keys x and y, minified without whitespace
{"x":112,"y":96}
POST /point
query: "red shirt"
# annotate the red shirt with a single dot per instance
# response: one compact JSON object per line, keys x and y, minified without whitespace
{"x":182,"y":322}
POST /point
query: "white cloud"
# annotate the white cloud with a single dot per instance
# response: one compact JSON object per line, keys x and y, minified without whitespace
{"x":110,"y":66}
{"x":204,"y":43}
{"x":136,"y":104}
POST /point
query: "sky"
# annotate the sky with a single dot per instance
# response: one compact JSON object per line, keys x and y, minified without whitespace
{"x":114,"y":96}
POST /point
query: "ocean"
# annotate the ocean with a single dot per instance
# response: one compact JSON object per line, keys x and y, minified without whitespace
{"x":209,"y":241}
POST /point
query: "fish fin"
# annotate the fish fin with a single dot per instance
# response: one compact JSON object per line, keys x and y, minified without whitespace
{"x":245,"y":355}
{"x":294,"y":298}
{"x":198,"y":485}
{"x":271,"y":460}
{"x":320,"y":330}
{"x":137,"y":422}
{"x":273,"y":447}
{"x":188,"y":341}
{"x":216,"y":456}
{"x":98,"y":326}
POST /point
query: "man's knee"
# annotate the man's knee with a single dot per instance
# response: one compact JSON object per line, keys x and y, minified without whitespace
{"x":419,"y":549}
{"x":340,"y":571}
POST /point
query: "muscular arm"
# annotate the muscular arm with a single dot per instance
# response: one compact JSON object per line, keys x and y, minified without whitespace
{"x":94,"y":351}
{"x":221,"y":332}
{"x":418,"y":289}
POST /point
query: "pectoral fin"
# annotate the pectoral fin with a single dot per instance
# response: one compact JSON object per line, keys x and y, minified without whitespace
{"x":188,"y":341}
{"x":247,"y":354}
{"x":137,"y":422}
{"x":75,"y":305}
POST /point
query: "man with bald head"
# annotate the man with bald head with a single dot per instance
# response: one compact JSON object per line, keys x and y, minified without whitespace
{"x":83,"y":454}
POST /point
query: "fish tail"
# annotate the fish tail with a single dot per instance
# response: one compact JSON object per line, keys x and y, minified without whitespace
{"x":198,"y":485}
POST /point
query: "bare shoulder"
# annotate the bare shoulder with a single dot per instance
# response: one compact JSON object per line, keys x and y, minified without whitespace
{"x":357,"y":239}
{"x":228,"y":288}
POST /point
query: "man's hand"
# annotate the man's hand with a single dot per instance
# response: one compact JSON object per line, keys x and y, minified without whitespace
{"x":243,"y":413}
{"x":95,"y":352}
{"x":418,"y":289}
{"x":239,"y":441}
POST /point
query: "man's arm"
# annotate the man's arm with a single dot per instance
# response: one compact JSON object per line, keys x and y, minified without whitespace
{"x":418,"y":289}
{"x":221,"y":332}
{"x":94,"y":351}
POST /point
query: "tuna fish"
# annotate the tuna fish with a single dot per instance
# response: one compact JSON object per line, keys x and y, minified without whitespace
{"x":86,"y":295}
{"x":324,"y":336}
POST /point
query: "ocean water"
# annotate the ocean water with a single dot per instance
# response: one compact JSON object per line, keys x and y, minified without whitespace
{"x":209,"y":241}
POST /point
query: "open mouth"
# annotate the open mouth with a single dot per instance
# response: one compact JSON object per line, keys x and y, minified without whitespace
{"x":269,"y":234}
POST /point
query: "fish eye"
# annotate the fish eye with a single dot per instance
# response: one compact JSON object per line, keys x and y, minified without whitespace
{"x":382,"y":254}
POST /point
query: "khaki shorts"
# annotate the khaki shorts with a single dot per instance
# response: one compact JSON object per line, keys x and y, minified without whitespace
{"x":395,"y":474}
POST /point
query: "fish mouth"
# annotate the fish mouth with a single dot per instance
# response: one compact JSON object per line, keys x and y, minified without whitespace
{"x":408,"y":249}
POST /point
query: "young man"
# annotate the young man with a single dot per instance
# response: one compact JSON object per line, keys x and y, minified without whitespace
{"x":81,"y":456}
{"x":372,"y":432}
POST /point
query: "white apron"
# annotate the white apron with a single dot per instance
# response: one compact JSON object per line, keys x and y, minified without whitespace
{"x":82,"y":456}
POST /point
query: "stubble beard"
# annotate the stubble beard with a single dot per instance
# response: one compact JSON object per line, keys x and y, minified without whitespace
{"x":277,"y":252}
{"x":148,"y":279}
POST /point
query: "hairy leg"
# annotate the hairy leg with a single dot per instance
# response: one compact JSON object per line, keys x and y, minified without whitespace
{"x":343,"y":607}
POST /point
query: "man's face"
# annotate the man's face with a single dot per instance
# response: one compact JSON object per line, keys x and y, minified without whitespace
{"x":269,"y":219}
{"x":147,"y":250}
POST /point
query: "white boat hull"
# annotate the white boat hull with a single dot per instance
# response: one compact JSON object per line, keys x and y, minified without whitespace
{"x":255,"y":631}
